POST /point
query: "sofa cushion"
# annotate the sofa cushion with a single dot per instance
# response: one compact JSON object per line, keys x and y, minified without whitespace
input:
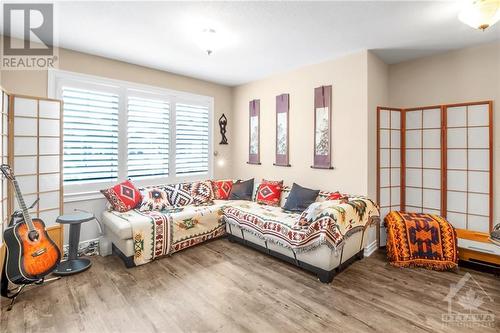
{"x":300,"y":198}
{"x":242,"y":190}
{"x":269,"y":192}
{"x":123,"y":197}
{"x":222,"y":188}
{"x":202,"y":192}
{"x":179,"y":194}
{"x":154,"y":199}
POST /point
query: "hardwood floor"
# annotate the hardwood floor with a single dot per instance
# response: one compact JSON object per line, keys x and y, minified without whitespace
{"x":225,"y":287}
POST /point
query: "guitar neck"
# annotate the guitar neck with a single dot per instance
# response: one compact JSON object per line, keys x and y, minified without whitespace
{"x":22,"y":205}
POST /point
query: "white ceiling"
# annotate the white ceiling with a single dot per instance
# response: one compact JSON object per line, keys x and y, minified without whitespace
{"x":258,"y":39}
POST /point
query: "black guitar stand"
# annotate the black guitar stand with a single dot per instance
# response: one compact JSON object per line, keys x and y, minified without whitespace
{"x":13,"y":293}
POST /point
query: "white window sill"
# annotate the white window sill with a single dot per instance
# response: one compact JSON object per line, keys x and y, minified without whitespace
{"x":83,"y":196}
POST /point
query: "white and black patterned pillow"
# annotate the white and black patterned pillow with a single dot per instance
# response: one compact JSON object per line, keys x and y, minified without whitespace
{"x":179,"y":194}
{"x":154,"y":199}
{"x":202,"y":192}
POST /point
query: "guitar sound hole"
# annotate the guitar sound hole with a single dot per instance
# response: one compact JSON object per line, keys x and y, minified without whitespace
{"x":33,"y":235}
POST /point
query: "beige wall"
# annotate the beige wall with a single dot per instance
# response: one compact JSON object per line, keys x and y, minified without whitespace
{"x":378,"y":95}
{"x":34,"y":83}
{"x":471,"y":74}
{"x":348,"y":76}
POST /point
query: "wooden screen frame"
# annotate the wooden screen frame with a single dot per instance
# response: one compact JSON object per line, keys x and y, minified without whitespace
{"x":323,"y":98}
{"x":442,"y":129}
{"x":56,"y":230}
{"x":283,"y":106}
{"x":444,"y":157}
{"x":490,"y":156}
{"x":254,"y":111}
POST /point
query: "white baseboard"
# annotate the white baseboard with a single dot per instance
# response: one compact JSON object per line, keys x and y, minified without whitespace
{"x":370,"y":248}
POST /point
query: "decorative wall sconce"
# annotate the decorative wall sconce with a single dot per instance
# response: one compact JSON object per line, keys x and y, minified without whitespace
{"x":222,"y":125}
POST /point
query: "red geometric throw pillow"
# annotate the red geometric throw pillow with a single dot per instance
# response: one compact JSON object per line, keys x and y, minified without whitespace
{"x":269,"y":192}
{"x":222,"y":188}
{"x":123,"y":197}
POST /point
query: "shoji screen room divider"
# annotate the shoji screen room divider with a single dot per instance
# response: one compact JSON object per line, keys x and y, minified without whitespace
{"x":35,"y":150}
{"x":443,"y":157}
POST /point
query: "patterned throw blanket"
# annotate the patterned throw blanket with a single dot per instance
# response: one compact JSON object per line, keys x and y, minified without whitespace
{"x":156,"y":234}
{"x":327,"y":222}
{"x":423,"y":240}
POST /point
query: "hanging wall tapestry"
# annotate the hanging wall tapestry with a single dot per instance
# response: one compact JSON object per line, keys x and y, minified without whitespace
{"x":282,"y":108}
{"x":254,"y":133}
{"x":222,"y":125}
{"x":322,"y":127}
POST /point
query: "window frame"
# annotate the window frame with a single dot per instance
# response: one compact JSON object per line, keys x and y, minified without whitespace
{"x":88,"y":190}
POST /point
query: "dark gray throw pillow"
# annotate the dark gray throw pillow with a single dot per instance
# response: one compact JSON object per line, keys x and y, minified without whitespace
{"x":242,"y":190}
{"x":300,"y":198}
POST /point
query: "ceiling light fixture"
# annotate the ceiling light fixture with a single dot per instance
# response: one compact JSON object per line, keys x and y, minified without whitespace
{"x":208,"y":40}
{"x":480,"y":14}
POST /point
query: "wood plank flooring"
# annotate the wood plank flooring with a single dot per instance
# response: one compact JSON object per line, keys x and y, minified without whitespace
{"x":226,"y":287}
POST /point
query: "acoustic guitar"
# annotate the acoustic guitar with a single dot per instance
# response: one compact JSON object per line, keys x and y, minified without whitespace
{"x":31,"y":254}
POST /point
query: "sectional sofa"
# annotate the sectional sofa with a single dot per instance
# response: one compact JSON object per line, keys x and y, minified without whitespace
{"x":323,"y":239}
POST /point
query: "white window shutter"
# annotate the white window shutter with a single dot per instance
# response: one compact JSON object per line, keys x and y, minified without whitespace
{"x":191,"y":139}
{"x":90,"y":135}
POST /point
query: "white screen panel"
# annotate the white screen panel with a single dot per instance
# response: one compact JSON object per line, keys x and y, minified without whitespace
{"x":384,"y":139}
{"x":28,"y":200}
{"x":457,"y":159}
{"x":49,"y":200}
{"x":384,"y":177}
{"x":432,"y":178}
{"x":431,"y":138}
{"x":413,"y":158}
{"x":25,"y":146}
{"x":384,"y":158}
{"x":431,"y":199}
{"x":395,"y":139}
{"x":431,"y":159}
{"x":457,"y":116}
{"x":432,"y":118}
{"x":479,"y":181}
{"x":49,"y":146}
{"x":457,"y":180}
{"x":27,"y":184}
{"x":384,"y":119}
{"x":413,"y":196}
{"x":25,"y":107}
{"x":49,"y":182}
{"x":478,"y":204}
{"x":414,"y":177}
{"x":385,"y":197}
{"x":478,"y":223}
{"x":50,"y":127}
{"x":49,"y":164}
{"x":413,"y":119}
{"x":457,"y":202}
{"x":457,"y":138}
{"x":25,"y":126}
{"x":478,"y":137}
{"x":479,"y":160}
{"x":478,"y":115}
{"x":457,"y":220}
{"x":50,"y":109}
{"x":25,"y":165}
{"x":414,"y":139}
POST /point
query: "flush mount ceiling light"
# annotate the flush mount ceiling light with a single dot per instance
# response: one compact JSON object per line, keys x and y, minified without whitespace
{"x":208,"y":40}
{"x":480,"y":14}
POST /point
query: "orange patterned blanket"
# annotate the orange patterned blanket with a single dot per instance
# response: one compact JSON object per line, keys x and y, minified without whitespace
{"x":422,"y":240}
